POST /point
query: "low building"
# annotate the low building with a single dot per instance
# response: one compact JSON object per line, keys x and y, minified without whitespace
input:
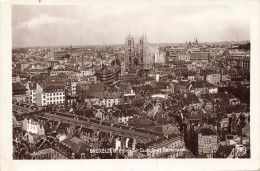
{"x":49,"y":153}
{"x":17,"y":133}
{"x":32,"y":126}
{"x":205,"y":141}
{"x":214,"y":78}
{"x":79,"y":148}
{"x":199,"y":56}
{"x":171,"y":146}
{"x":16,"y":78}
{"x":192,"y":66}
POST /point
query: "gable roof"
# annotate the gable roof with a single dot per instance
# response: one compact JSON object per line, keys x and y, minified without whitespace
{"x":77,"y":146}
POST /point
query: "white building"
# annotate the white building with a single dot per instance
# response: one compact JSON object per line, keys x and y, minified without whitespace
{"x":185,"y":56}
{"x":73,"y":86}
{"x":110,"y":102}
{"x":56,"y":72}
{"x":213,"y":78}
{"x":31,"y":91}
{"x":32,"y":126}
{"x":156,"y":55}
{"x":50,"y":94}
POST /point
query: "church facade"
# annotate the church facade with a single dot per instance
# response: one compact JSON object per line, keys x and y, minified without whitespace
{"x":136,"y":54}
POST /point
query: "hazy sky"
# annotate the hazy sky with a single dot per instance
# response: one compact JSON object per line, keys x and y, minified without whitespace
{"x":109,"y":24}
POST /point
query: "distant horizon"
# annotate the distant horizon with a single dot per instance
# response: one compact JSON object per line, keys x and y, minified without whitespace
{"x":123,"y":44}
{"x":47,"y":25}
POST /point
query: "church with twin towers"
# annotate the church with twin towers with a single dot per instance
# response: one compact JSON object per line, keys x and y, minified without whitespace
{"x":137,"y":55}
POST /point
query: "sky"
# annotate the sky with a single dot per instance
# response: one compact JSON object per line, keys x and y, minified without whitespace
{"x":104,"y":24}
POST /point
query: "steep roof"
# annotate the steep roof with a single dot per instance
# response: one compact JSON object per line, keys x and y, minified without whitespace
{"x":77,"y":146}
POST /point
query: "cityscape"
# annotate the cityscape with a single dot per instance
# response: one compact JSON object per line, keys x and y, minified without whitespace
{"x":131,"y":98}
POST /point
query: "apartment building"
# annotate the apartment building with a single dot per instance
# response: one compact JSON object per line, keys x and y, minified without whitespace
{"x":50,"y":94}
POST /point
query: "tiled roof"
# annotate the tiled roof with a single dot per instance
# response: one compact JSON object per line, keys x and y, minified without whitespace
{"x":199,"y":56}
{"x":77,"y":146}
{"x":96,"y":90}
{"x":163,"y":140}
{"x":191,"y":99}
{"x":207,"y":131}
{"x":223,"y":151}
{"x":53,"y":88}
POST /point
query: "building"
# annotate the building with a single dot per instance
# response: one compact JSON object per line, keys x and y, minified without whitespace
{"x":214,"y":78}
{"x":171,"y":55}
{"x":87,"y":90}
{"x":129,"y":53}
{"x":185,"y":56}
{"x":112,"y":101}
{"x":192,"y":66}
{"x":73,"y":86}
{"x":137,"y":55}
{"x":143,"y":51}
{"x":49,"y":153}
{"x":206,"y":140}
{"x":16,"y":78}
{"x":32,"y":126}
{"x":108,"y":75}
{"x":19,"y":93}
{"x":31,"y":91}
{"x":199,"y":56}
{"x":157,"y":56}
{"x":59,"y":56}
{"x":161,"y":58}
{"x":56,"y":72}
{"x":17,"y":133}
{"x":79,"y":148}
{"x":171,"y":146}
{"x":50,"y":94}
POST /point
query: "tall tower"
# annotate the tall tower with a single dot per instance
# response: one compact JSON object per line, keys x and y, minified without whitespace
{"x":143,"y":51}
{"x":129,"y":52}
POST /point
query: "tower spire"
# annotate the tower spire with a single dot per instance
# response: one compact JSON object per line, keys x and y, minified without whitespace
{"x":196,"y":41}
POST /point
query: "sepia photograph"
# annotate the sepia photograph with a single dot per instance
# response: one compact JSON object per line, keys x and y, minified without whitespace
{"x":162,"y":84}
{"x":89,"y":84}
